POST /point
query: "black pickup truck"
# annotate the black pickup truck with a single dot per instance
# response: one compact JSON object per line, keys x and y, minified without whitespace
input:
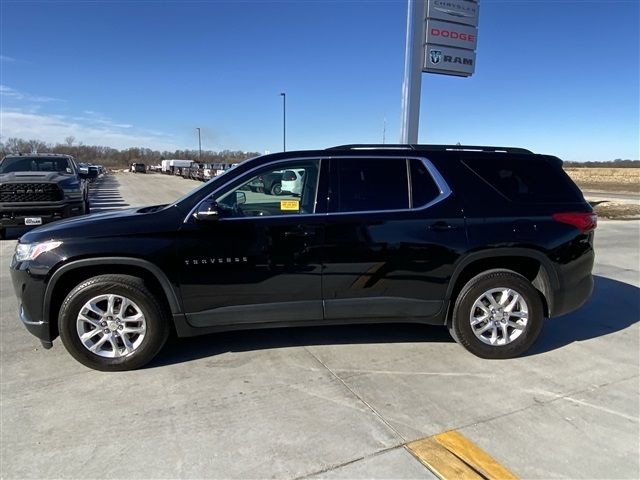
{"x":41,"y":188}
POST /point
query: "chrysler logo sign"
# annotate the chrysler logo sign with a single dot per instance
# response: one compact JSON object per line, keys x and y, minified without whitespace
{"x":458,"y":11}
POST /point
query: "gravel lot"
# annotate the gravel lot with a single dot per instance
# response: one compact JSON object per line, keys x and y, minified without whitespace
{"x":333,"y":401}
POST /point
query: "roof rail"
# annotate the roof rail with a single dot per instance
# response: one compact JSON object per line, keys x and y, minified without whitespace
{"x":372,"y":146}
{"x":472,"y":148}
{"x":433,"y":148}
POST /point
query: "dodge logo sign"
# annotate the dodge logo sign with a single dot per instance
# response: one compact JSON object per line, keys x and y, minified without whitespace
{"x":435,"y":56}
{"x":451,"y":34}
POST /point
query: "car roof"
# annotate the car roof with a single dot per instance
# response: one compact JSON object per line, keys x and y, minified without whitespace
{"x":44,"y":155}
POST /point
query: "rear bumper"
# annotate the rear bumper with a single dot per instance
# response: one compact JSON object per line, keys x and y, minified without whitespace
{"x":13,"y":215}
{"x":575,"y":285}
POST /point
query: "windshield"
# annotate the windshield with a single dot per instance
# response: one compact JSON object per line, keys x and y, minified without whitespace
{"x":36,"y":164}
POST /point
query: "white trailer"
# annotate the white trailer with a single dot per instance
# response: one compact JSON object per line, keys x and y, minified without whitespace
{"x":169,"y":166}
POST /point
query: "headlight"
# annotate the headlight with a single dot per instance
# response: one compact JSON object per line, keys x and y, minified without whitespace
{"x":31,"y":251}
{"x":72,"y":192}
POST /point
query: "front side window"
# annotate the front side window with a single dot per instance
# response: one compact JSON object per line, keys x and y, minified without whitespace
{"x":286,"y":189}
{"x":371,"y":184}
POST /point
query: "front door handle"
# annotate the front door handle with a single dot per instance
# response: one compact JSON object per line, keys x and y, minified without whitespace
{"x":442,"y":226}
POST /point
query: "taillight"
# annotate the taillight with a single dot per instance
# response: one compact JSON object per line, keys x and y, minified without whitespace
{"x":583,"y":221}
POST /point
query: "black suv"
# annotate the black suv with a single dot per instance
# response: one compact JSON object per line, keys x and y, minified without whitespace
{"x":41,"y":188}
{"x":486,"y":241}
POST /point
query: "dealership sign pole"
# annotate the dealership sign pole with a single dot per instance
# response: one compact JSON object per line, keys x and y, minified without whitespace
{"x":441,"y":38}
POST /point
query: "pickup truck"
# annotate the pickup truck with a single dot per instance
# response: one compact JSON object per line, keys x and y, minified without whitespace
{"x":41,"y":188}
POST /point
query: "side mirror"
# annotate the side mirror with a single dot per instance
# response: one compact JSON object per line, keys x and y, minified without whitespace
{"x":207,"y":213}
{"x":241,"y":198}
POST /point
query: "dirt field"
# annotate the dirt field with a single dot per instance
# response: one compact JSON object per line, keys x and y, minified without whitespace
{"x":607,"y":179}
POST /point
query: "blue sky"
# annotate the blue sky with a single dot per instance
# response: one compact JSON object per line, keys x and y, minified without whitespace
{"x":555,"y":76}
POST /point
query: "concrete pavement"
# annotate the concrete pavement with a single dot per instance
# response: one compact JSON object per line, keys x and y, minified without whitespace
{"x":330,"y":402}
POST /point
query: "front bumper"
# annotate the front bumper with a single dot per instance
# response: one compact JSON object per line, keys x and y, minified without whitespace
{"x":13,"y":214}
{"x":29,"y":288}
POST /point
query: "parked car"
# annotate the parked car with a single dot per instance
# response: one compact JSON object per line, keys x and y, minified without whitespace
{"x":270,"y":183}
{"x":486,"y":241}
{"x":41,"y":188}
{"x":292,"y":181}
{"x":138,"y":167}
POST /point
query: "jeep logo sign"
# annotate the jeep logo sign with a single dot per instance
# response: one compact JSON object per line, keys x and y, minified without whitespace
{"x":449,"y":61}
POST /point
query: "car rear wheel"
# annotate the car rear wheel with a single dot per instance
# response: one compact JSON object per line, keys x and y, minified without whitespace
{"x":113,"y":323}
{"x":498,"y":314}
{"x":276,"y":189}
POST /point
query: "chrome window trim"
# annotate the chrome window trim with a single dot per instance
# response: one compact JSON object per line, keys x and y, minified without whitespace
{"x":440,"y":182}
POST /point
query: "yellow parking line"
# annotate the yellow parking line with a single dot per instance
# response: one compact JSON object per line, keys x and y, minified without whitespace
{"x":441,"y":461}
{"x":451,"y":455}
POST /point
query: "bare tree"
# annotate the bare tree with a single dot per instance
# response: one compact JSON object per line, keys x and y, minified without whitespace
{"x":36,"y":146}
{"x":69,"y":140}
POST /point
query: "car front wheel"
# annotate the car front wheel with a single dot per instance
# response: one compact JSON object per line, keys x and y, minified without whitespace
{"x":498,"y":314}
{"x":113,"y":323}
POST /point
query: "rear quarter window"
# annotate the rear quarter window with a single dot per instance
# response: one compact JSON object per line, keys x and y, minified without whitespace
{"x":526,"y":179}
{"x":423,"y":187}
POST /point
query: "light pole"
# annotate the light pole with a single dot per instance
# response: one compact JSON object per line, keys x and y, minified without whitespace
{"x":199,"y":146}
{"x":284,"y":121}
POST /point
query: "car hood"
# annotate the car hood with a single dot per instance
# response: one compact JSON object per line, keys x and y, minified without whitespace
{"x":35,"y":177}
{"x":121,"y":223}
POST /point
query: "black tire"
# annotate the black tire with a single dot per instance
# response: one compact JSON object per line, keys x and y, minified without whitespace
{"x":276,"y":188}
{"x":462,"y":331}
{"x":157,"y":323}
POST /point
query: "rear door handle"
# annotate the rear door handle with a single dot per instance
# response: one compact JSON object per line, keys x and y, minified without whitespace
{"x":442,"y":226}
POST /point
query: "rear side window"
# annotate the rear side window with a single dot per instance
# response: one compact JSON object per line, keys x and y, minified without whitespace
{"x":423,"y":186}
{"x":372,"y":184}
{"x":289,"y":176}
{"x":526,"y":180}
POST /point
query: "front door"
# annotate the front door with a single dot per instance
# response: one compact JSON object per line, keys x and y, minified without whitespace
{"x":259,"y":262}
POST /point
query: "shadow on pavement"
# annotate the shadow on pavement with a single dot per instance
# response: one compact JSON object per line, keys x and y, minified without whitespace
{"x":104,"y":195}
{"x":614,"y":306}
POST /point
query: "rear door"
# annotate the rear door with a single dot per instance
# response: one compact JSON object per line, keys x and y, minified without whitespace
{"x":393,"y":232}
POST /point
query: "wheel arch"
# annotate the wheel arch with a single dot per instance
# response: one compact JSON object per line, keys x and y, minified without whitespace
{"x":65,"y":278}
{"x":532,"y":264}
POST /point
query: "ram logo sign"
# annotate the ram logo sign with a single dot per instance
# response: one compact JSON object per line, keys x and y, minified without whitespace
{"x":435,"y":56}
{"x":450,"y":61}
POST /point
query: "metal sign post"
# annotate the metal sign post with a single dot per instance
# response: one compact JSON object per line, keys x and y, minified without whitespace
{"x":442,"y":36}
{"x":413,"y":59}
